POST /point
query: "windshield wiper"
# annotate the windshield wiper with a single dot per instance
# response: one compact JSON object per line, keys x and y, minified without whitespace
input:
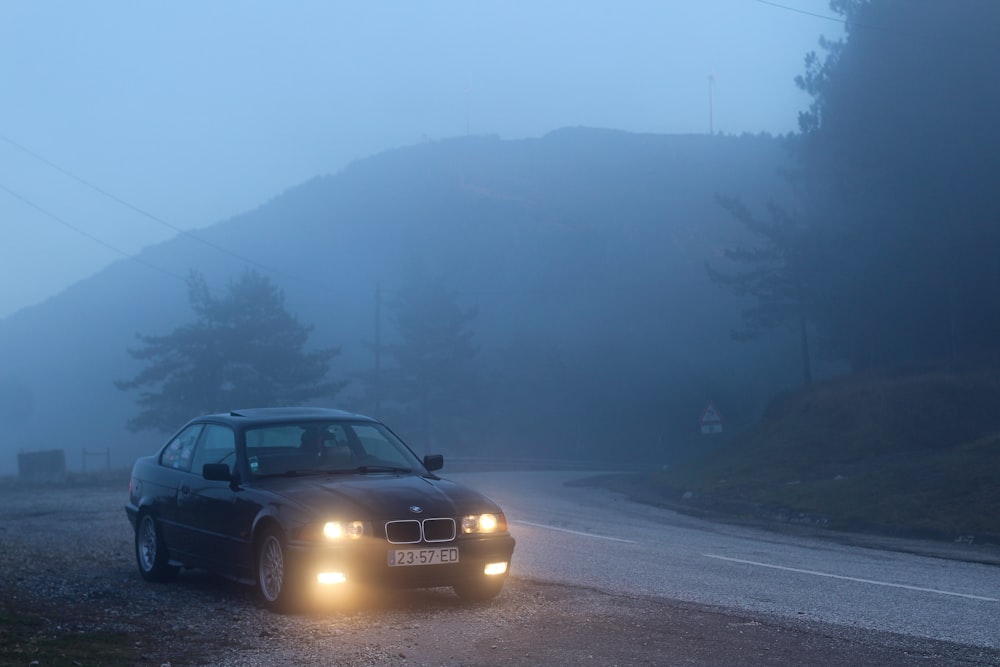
{"x":364,"y":470}
{"x":293,"y":473}
{"x":368,"y":469}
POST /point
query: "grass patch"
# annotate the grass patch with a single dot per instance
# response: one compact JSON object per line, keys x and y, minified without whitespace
{"x":898,"y":453}
{"x":27,"y":637}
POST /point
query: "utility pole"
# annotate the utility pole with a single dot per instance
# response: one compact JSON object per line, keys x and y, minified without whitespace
{"x":468,"y":104}
{"x":711,"y":105}
{"x":378,"y":349}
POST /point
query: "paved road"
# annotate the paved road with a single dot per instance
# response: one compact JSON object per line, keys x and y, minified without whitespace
{"x":585,"y":535}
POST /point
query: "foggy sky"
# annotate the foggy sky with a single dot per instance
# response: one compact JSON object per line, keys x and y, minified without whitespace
{"x":195,"y":112}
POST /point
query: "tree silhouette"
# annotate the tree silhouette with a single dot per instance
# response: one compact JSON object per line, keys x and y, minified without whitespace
{"x":243,"y":350}
{"x":780,"y":274}
{"x":899,"y":154}
{"x":432,"y":383}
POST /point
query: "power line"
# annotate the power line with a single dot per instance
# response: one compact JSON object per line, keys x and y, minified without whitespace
{"x":844,"y":22}
{"x":87,"y":234}
{"x":140,"y":211}
{"x":803,"y":11}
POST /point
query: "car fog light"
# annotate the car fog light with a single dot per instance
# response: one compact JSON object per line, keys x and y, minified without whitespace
{"x":331,"y":578}
{"x":495,"y":568}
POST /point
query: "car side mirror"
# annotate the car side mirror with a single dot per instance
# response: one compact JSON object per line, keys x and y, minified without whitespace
{"x":433,"y":462}
{"x":217,"y":472}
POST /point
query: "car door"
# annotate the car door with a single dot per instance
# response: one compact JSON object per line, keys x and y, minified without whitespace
{"x":175,"y":468}
{"x":206,"y":507}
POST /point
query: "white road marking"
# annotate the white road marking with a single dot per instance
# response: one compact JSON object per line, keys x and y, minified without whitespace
{"x":857,"y":579}
{"x":574,"y":532}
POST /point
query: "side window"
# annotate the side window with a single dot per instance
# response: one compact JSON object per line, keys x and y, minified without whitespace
{"x":217,"y":445}
{"x":179,"y":451}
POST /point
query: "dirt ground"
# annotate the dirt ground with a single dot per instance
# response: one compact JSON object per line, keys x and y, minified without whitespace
{"x":66,"y":558}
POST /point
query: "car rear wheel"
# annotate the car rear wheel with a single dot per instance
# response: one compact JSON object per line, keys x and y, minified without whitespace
{"x":151,"y":551}
{"x":479,"y":590}
{"x":274,"y":580}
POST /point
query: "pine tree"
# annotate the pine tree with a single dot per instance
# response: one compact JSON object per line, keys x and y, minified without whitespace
{"x":432,"y":383}
{"x":244,"y":349}
{"x":780,"y":275}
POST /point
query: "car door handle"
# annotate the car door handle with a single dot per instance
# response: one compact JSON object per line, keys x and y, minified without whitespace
{"x":185,"y":490}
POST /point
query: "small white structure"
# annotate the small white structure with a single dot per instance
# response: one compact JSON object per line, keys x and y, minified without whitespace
{"x":711,"y":420}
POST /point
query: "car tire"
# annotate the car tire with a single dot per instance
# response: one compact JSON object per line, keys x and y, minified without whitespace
{"x":479,"y":590}
{"x":151,"y":554}
{"x":275,"y":583}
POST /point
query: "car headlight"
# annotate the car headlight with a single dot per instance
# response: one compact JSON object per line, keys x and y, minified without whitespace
{"x":335,"y":531}
{"x":484,"y":523}
{"x":339,"y":530}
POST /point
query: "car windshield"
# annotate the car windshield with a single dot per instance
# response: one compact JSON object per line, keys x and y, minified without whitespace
{"x":312,"y":447}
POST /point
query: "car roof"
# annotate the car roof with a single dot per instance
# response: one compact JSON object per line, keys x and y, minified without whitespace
{"x":257,"y":416}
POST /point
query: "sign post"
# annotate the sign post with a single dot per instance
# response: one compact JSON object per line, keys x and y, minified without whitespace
{"x":711,"y":420}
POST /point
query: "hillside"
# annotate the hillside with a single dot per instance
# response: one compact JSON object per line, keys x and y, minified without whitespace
{"x":582,"y":253}
{"x":914,"y":452}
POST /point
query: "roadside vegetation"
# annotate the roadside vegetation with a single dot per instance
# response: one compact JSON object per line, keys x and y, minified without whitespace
{"x":909,"y":453}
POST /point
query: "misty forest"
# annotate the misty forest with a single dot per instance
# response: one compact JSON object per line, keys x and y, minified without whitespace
{"x":580,"y":296}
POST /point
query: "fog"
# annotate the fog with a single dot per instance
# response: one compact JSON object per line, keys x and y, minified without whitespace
{"x":565,"y":207}
{"x":594,"y":320}
{"x":193,"y":113}
{"x":554,"y":165}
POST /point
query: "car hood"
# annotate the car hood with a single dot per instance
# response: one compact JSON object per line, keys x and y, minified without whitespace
{"x":381,"y":495}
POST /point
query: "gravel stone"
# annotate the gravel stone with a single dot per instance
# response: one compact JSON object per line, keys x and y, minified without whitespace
{"x":66,"y":555}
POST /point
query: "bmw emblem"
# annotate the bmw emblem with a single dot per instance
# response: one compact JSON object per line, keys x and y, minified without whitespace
{"x":416,"y":509}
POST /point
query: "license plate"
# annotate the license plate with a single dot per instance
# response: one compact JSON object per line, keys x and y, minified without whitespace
{"x":439,"y":556}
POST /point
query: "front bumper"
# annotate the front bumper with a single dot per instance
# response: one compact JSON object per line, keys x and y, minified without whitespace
{"x":367,"y":562}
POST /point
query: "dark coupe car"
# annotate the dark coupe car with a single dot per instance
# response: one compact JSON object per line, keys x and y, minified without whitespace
{"x":298,"y":499}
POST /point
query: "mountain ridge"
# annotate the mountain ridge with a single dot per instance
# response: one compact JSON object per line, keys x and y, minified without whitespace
{"x":592,"y":239}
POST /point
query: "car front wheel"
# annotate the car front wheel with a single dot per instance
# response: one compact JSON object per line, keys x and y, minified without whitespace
{"x":151,"y":551}
{"x":274,"y":580}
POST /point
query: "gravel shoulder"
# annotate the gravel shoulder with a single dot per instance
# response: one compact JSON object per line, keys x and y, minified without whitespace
{"x":66,"y":559}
